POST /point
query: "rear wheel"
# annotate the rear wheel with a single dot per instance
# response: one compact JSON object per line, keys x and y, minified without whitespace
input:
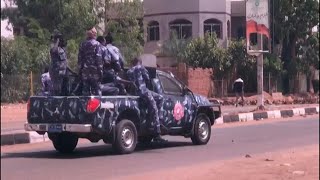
{"x":126,"y":137}
{"x":64,"y":142}
{"x":202,"y":130}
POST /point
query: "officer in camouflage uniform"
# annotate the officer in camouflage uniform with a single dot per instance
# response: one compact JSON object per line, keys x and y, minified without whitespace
{"x":140,"y":76}
{"x":109,"y":87}
{"x":114,"y":66}
{"x":90,"y":64}
{"x":59,"y":63}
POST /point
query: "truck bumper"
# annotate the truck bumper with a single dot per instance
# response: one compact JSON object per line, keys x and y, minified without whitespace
{"x":81,"y":128}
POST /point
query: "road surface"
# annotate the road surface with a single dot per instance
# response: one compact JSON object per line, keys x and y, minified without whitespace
{"x":96,"y":161}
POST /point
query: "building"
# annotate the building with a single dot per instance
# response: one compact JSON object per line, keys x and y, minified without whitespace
{"x":192,"y":18}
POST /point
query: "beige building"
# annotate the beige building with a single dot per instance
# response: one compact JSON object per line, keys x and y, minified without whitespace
{"x":192,"y":18}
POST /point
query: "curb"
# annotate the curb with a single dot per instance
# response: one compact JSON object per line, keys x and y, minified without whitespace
{"x":244,"y":117}
{"x":23,"y":137}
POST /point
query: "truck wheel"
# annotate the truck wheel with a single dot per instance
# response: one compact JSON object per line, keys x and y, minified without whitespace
{"x":126,"y":137}
{"x":65,"y":142}
{"x":202,"y":130}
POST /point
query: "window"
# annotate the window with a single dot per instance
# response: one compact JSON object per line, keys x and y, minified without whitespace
{"x":213,"y":25}
{"x":169,"y":85}
{"x":182,"y":28}
{"x":153,"y":31}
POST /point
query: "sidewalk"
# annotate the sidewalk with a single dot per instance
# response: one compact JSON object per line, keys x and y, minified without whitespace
{"x":13,"y":117}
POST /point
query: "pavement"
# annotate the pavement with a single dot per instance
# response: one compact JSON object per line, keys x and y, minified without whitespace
{"x":97,"y":161}
{"x":13,"y":119}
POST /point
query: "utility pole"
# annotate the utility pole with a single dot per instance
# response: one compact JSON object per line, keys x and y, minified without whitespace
{"x":260,"y":98}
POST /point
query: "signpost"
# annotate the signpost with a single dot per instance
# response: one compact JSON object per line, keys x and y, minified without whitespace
{"x":257,"y":26}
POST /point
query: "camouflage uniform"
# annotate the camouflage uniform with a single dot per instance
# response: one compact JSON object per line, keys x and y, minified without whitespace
{"x":139,"y":75}
{"x":46,"y":83}
{"x":58,"y":68}
{"x":90,"y":66}
{"x":113,"y":65}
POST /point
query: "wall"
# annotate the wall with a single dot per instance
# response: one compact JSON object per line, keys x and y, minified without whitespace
{"x":198,"y":80}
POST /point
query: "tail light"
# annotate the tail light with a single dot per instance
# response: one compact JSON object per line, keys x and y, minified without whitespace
{"x":28,"y":105}
{"x":93,"y":105}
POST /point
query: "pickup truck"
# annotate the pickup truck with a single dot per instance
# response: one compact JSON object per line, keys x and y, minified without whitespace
{"x":122,"y":120}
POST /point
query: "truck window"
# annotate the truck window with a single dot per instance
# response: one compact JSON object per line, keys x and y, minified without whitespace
{"x":169,"y":85}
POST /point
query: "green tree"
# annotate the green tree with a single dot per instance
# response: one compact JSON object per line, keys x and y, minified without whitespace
{"x":294,"y":19}
{"x":124,"y":22}
{"x":175,"y":47}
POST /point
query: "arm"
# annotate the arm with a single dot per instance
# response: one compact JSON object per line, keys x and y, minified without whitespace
{"x":80,"y":56}
{"x":99,"y":60}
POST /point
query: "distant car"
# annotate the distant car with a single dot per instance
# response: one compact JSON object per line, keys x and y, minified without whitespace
{"x":122,"y":120}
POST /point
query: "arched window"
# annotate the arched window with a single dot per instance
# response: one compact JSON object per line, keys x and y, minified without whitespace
{"x":213,"y":25}
{"x":182,"y":28}
{"x":153,"y":31}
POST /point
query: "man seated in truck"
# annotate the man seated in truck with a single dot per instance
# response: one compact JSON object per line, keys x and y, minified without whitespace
{"x":139,"y":75}
{"x":46,"y":82}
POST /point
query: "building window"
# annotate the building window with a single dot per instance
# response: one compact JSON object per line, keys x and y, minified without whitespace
{"x":153,"y":31}
{"x":182,"y":28}
{"x":213,"y":25}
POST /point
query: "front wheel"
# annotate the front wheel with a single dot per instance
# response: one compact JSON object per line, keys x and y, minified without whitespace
{"x":202,"y":130}
{"x":64,"y":142}
{"x":126,"y":137}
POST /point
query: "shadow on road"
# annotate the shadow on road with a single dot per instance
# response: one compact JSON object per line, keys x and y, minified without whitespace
{"x":93,"y":151}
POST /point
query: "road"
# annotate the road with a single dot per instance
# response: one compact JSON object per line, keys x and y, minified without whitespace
{"x":96,"y":161}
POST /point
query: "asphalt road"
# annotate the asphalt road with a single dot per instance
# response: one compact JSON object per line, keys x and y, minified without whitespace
{"x":96,"y":161}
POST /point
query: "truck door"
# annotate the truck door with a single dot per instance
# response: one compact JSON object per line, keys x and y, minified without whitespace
{"x":176,"y":106}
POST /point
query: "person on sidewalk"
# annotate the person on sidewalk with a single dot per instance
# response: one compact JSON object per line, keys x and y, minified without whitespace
{"x":238,"y":88}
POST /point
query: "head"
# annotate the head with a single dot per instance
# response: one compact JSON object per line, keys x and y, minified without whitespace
{"x":109,"y":38}
{"x":92,"y":33}
{"x":101,"y":40}
{"x":136,"y":61}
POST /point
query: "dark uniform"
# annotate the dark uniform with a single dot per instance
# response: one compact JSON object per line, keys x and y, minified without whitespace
{"x":90,"y":66}
{"x":139,"y":75}
{"x":58,"y":68}
{"x":112,"y":67}
{"x":108,"y":88}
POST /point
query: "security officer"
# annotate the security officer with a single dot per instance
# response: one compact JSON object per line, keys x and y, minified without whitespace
{"x":114,"y":66}
{"x":140,"y":76}
{"x":90,"y":64}
{"x":59,"y":63}
{"x":106,"y":88}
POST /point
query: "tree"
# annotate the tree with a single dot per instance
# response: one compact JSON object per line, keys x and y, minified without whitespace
{"x":175,"y":47}
{"x":124,"y":22}
{"x":308,"y":57}
{"x":294,"y":19}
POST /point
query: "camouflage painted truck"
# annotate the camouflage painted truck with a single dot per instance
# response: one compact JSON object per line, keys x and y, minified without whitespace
{"x":122,"y":120}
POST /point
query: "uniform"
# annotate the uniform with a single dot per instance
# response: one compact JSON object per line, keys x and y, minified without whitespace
{"x":58,"y":68}
{"x":90,"y":64}
{"x":140,"y":77}
{"x":113,"y":65}
{"x":46,"y":83}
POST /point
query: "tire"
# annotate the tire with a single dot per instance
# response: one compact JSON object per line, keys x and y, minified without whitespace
{"x":65,"y":142}
{"x":126,"y":137}
{"x":145,"y":140}
{"x":202,"y":130}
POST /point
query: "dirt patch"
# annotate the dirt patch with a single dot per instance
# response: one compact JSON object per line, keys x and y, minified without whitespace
{"x":296,"y":163}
